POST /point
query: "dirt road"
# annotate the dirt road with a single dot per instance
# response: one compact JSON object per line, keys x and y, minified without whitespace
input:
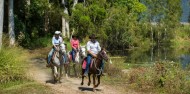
{"x":41,"y":74}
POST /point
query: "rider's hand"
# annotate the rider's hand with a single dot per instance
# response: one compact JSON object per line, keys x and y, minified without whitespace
{"x":94,"y":55}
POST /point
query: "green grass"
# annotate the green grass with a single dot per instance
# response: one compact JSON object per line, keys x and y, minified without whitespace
{"x":24,"y":87}
{"x":13,"y":79}
{"x":12,"y":66}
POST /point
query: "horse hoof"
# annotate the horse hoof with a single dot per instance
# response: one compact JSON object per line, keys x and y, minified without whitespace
{"x":82,"y":83}
{"x":95,"y":86}
{"x":88,"y":84}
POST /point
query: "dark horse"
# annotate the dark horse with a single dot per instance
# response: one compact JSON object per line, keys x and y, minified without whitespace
{"x":95,"y":69}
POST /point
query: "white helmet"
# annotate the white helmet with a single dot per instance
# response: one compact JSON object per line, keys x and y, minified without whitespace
{"x":57,"y":32}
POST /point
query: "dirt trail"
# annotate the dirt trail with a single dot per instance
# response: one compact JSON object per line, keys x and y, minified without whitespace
{"x":41,"y":74}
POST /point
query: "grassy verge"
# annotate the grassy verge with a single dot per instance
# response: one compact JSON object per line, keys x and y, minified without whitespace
{"x":24,"y":87}
{"x":13,"y":68}
{"x":161,"y":77}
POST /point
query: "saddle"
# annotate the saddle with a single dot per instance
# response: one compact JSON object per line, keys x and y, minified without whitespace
{"x":84,"y":62}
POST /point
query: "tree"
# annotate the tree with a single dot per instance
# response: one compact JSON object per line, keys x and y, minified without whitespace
{"x":11,"y":23}
{"x":1,"y":20}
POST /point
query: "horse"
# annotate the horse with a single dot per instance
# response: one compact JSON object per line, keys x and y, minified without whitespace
{"x":65,"y":59}
{"x":80,"y":55}
{"x":95,"y":68}
{"x":57,"y":62}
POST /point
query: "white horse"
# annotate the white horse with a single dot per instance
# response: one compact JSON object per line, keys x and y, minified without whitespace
{"x":65,"y":59}
{"x":56,"y":64}
{"x":80,"y":55}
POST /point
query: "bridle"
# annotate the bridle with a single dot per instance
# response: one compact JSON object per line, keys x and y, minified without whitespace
{"x":103,"y":55}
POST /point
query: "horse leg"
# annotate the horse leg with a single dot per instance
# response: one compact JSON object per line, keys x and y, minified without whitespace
{"x":66,"y":70}
{"x":77,"y":70}
{"x":94,"y":81}
{"x":98,"y":81}
{"x":89,"y":80}
{"x":69,"y":69}
{"x":83,"y":70}
{"x":61,"y":73}
{"x":55,"y":73}
{"x":74,"y":67}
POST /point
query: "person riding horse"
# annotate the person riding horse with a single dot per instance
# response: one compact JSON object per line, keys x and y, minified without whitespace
{"x":93,"y":47}
{"x":75,"y":46}
{"x":56,"y":40}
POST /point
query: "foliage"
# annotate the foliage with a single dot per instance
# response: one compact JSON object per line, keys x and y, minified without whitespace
{"x":161,"y":78}
{"x":12,"y":65}
{"x":24,"y":87}
{"x":119,"y":24}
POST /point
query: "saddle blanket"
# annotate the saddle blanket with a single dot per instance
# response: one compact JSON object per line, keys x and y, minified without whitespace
{"x":84,"y":63}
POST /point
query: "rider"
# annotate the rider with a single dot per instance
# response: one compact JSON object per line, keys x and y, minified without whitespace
{"x":93,"y":47}
{"x":56,"y":40}
{"x":75,"y":46}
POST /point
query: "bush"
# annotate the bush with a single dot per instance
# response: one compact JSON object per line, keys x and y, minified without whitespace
{"x":167,"y":77}
{"x":12,"y":65}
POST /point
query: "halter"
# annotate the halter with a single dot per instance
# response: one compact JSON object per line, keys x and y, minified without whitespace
{"x":101,"y":54}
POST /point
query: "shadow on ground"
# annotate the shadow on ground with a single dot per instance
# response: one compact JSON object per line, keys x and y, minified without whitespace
{"x":87,"y":89}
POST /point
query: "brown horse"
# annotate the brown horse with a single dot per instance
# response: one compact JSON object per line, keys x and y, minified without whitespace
{"x":95,"y":69}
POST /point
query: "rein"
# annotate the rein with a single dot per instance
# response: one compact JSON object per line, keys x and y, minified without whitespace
{"x":100,"y":70}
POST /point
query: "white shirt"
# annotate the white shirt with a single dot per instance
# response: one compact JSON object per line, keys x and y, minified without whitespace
{"x":93,"y":47}
{"x":57,"y":41}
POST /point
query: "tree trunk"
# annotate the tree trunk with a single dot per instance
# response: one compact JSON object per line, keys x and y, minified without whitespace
{"x":46,"y":21}
{"x":11,"y":23}
{"x":75,"y":2}
{"x":46,"y":25}
{"x":65,"y":25}
{"x":1,"y":20}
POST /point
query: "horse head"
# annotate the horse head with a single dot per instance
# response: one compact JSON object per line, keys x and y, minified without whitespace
{"x":102,"y":54}
{"x":63,"y":48}
{"x":82,"y":51}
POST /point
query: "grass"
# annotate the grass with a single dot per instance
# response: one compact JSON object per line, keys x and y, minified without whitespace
{"x":24,"y":87}
{"x":161,"y":77}
{"x":12,"y":66}
{"x":13,"y":79}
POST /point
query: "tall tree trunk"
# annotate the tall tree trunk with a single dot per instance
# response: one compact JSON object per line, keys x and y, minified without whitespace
{"x":11,"y":23}
{"x":75,"y":2}
{"x":65,"y":24}
{"x":1,"y":20}
{"x":63,"y":27}
{"x":46,"y":19}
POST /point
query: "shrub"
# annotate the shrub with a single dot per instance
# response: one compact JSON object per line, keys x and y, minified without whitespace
{"x":12,"y":64}
{"x":167,"y":77}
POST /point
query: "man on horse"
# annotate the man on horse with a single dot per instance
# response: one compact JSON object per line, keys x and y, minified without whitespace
{"x":56,"y":40}
{"x":93,"y":47}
